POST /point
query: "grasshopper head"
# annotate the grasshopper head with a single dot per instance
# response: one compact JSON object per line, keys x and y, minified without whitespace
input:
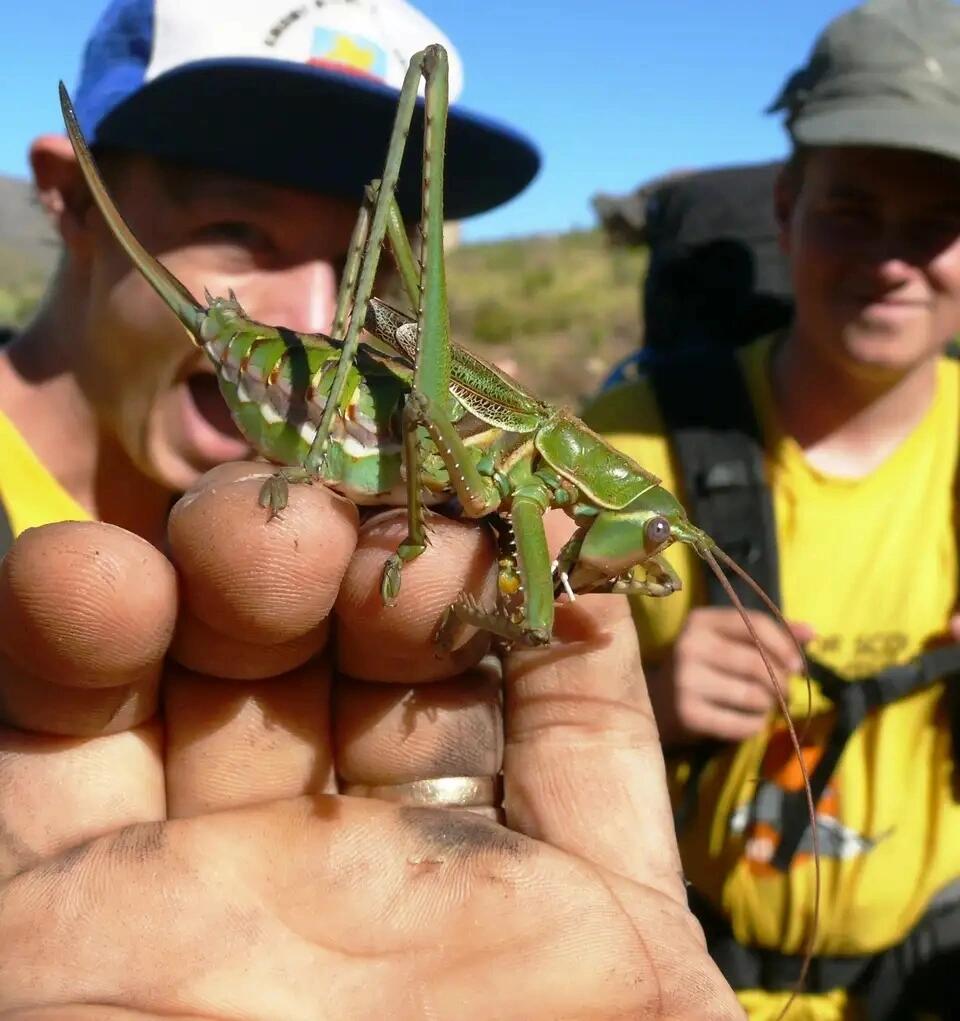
{"x":617,"y":541}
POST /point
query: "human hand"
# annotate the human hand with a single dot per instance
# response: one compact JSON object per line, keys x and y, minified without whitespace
{"x":713,"y":682}
{"x":953,"y":627}
{"x":202,"y":865}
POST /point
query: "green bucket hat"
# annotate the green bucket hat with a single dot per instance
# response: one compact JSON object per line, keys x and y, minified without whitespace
{"x":886,"y":73}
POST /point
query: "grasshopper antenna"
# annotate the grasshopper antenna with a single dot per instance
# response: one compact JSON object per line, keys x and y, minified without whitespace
{"x":708,"y":556}
{"x":181,"y":302}
{"x":778,"y":616}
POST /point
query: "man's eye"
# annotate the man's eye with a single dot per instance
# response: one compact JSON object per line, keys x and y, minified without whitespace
{"x":848,"y":213}
{"x":235,"y":232}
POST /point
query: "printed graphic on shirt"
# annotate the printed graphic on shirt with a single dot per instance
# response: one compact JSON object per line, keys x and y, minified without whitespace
{"x":760,"y":820}
{"x":860,"y":655}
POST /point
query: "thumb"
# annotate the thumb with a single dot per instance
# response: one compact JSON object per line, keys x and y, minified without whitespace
{"x":583,"y":766}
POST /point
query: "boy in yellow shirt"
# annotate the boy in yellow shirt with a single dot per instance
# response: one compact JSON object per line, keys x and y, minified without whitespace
{"x":858,"y":411}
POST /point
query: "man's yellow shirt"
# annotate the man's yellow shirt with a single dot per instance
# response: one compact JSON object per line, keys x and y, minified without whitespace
{"x":871,"y":565}
{"x":30,"y":495}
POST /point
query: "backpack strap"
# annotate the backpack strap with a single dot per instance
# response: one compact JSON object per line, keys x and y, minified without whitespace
{"x":6,"y":531}
{"x":718,"y":449}
{"x":879,"y":981}
{"x":854,"y":701}
{"x":718,"y":446}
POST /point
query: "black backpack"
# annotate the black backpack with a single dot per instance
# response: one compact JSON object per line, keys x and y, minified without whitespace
{"x":716,"y":275}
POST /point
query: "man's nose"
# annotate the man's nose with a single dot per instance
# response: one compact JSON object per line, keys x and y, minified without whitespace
{"x":899,"y":252}
{"x":302,"y":297}
{"x":892,"y":268}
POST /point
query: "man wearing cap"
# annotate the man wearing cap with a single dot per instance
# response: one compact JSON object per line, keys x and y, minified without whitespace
{"x":238,"y":139}
{"x":857,"y":413}
{"x":278,"y":843}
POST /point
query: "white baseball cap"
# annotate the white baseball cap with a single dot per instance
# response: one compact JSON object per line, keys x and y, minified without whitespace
{"x":299,"y":94}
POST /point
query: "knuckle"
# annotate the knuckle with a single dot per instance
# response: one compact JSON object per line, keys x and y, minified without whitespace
{"x":742,"y":696}
{"x":690,"y":713}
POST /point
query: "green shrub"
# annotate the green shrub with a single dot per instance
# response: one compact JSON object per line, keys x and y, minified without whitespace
{"x":492,"y":323}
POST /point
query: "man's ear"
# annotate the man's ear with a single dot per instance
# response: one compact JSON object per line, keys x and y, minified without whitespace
{"x":61,"y":188}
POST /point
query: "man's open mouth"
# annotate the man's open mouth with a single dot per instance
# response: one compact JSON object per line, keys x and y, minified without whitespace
{"x":209,"y":402}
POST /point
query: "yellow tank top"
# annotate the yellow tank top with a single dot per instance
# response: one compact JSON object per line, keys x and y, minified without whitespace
{"x":31,"y":496}
{"x":871,"y":564}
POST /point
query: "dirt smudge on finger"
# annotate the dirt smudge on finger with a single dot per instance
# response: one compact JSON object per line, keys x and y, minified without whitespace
{"x":139,"y":843}
{"x":68,"y":861}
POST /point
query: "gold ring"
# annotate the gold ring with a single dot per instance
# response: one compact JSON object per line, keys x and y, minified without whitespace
{"x":442,"y":791}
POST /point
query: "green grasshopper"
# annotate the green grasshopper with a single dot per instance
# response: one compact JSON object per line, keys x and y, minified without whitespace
{"x":408,"y":417}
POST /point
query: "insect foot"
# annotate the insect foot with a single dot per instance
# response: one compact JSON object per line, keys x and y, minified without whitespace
{"x":274,"y":494}
{"x":275,"y":491}
{"x":535,"y":637}
{"x":418,"y":407}
{"x":466,"y":609}
{"x":390,"y":581}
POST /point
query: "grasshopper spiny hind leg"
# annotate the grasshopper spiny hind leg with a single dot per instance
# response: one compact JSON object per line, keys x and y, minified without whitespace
{"x":416,"y":540}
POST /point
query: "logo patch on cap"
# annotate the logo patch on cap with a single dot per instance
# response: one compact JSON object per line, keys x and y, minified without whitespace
{"x":348,"y":53}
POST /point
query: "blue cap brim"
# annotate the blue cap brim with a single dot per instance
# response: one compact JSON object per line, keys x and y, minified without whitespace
{"x":314,"y":129}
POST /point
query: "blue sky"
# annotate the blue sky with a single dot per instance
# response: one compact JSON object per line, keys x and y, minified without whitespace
{"x":613,"y":91}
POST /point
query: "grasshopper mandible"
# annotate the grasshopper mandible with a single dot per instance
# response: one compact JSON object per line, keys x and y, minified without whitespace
{"x":408,"y":417}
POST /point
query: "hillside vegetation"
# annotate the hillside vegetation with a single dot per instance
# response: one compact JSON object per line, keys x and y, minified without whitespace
{"x":27,"y":251}
{"x":555,"y":311}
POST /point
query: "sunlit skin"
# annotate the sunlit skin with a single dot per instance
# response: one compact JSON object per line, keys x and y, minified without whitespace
{"x":874,"y":241}
{"x":134,"y":415}
{"x":873,"y":236}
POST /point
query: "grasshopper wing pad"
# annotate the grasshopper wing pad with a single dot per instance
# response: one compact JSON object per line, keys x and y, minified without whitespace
{"x":485,"y":391}
{"x":611,"y":479}
{"x":492,"y":396}
{"x":391,"y":327}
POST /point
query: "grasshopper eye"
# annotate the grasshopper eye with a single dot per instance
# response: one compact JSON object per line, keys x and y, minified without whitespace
{"x":657,"y":531}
